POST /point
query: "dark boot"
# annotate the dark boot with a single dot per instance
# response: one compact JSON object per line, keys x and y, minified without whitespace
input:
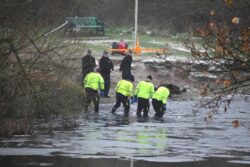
{"x":138,"y":113}
{"x":145,"y":114}
{"x":113,"y":110}
{"x":126,"y":113}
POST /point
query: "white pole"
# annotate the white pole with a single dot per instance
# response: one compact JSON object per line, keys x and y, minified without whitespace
{"x":136,"y":22}
{"x":55,"y":29}
{"x":131,"y":162}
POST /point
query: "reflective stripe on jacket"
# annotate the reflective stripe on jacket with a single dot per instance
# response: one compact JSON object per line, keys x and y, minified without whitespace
{"x":162,"y":94}
{"x":144,"y":90}
{"x":124,"y":87}
{"x":94,"y":81}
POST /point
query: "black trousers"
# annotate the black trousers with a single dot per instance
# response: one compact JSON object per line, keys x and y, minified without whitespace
{"x":106,"y":78}
{"x":120,"y":98}
{"x":158,"y":107}
{"x":143,"y":104}
{"x":91,"y":95}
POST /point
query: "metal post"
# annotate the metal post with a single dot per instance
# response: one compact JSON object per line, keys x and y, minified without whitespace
{"x":136,"y":22}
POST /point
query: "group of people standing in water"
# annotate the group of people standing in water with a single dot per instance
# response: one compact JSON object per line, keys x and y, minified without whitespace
{"x":96,"y":82}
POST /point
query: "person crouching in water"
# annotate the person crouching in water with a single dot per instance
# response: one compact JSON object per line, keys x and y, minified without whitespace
{"x":92,"y":83}
{"x":124,"y":90}
{"x":159,"y":100}
{"x":144,"y":91}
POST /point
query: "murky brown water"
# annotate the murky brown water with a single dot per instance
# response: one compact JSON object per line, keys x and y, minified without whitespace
{"x":180,"y":138}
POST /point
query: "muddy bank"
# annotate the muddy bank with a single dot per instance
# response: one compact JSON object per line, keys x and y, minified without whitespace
{"x":192,"y":75}
{"x":61,"y":161}
{"x":163,"y":72}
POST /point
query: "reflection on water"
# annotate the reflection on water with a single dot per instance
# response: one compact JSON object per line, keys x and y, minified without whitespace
{"x":179,"y":136}
{"x":145,"y":140}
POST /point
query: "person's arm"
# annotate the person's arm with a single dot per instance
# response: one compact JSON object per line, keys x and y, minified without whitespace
{"x":164,"y":100}
{"x":85,"y":80}
{"x":137,"y":89}
{"x":165,"y":96}
{"x":117,"y":85}
{"x":111,"y":65}
{"x":152,"y":91}
{"x":121,"y":65}
{"x":130,"y":90}
{"x":101,"y":63}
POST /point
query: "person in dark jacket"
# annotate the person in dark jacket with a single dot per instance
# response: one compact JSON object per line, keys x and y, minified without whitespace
{"x":88,"y":64}
{"x":125,"y":66}
{"x":106,"y":66}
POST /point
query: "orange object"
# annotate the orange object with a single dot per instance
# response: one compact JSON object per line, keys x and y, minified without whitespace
{"x":235,"y":20}
{"x":138,"y":49}
{"x":236,"y":123}
{"x":227,"y":83}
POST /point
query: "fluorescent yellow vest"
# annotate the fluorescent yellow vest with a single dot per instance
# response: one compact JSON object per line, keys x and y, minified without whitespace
{"x":162,"y":94}
{"x":94,"y":81}
{"x":124,"y":87}
{"x":145,"y":90}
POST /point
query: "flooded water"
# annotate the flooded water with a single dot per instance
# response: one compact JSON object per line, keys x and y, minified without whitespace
{"x":179,"y":138}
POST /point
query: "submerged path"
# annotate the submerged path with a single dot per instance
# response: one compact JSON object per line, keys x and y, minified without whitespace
{"x":179,"y":138}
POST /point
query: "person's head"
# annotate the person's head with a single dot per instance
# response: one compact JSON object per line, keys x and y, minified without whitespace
{"x":129,"y":52}
{"x":89,"y":52}
{"x":149,"y":78}
{"x":105,"y":53}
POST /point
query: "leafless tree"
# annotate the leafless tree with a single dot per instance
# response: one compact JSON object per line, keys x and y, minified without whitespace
{"x":32,"y":65}
{"x":225,"y":41}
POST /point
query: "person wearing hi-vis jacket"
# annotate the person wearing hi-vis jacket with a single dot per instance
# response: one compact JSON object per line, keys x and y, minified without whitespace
{"x":143,"y":92}
{"x":159,"y":100}
{"x":92,"y":83}
{"x":124,"y":90}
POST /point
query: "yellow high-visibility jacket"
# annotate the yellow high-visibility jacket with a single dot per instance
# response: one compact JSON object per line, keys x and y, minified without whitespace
{"x":145,"y":90}
{"x":94,"y":81}
{"x":162,"y":94}
{"x":124,"y":87}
